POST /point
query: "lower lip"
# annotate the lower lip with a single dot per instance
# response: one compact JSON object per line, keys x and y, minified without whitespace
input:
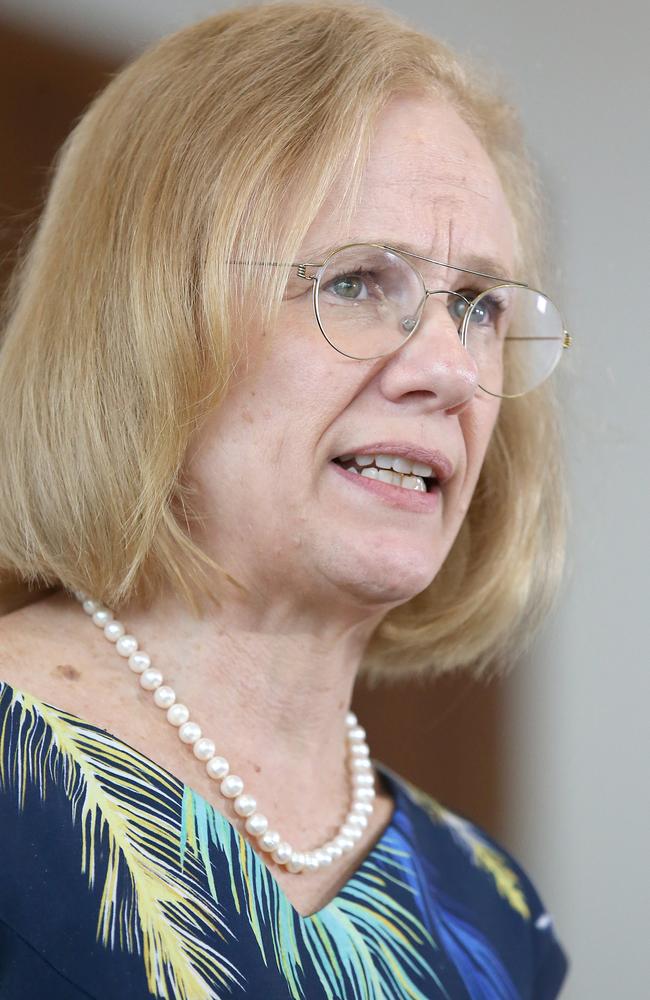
{"x":394,"y":496}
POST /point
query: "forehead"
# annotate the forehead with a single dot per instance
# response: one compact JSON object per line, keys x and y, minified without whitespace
{"x":428,"y":184}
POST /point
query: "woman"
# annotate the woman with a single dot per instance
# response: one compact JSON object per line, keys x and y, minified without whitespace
{"x":240,"y":428}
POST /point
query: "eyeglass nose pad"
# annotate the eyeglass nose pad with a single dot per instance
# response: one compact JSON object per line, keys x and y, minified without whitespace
{"x":409,"y":323}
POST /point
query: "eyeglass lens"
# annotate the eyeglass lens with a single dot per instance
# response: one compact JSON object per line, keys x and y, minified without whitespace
{"x":369,"y":301}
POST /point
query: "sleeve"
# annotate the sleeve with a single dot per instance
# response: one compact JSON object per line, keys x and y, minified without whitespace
{"x":550,"y":963}
{"x":547,"y":958}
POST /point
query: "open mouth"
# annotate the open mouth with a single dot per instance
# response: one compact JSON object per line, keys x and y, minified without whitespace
{"x":391,"y":469}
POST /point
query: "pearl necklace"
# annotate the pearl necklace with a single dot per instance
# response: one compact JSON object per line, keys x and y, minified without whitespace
{"x":230,"y":785}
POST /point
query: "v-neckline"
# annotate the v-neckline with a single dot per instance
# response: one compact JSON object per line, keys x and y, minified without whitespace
{"x":391,"y":780}
{"x":393,"y":787}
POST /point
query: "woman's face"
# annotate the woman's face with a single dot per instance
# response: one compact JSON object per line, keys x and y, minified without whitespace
{"x":281,"y":515}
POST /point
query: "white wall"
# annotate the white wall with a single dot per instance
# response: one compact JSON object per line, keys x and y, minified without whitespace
{"x":579,"y":748}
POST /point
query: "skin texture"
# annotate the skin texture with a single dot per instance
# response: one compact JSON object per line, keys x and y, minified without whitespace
{"x":269,"y":676}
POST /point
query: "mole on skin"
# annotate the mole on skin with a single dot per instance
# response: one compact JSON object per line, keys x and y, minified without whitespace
{"x":70,"y":673}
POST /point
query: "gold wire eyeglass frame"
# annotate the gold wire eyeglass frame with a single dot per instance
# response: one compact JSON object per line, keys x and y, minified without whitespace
{"x":319,"y":269}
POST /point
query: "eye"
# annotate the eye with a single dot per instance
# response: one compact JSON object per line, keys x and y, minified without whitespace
{"x":487,"y":312}
{"x":354,"y":286}
{"x":482,"y":313}
{"x":458,"y":306}
{"x":348,"y":286}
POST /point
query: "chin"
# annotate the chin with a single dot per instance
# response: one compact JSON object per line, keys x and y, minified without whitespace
{"x":381,"y":573}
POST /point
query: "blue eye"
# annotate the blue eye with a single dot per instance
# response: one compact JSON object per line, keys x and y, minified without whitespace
{"x":348,"y":286}
{"x":458,"y":306}
{"x":487,"y":310}
{"x":481,"y":313}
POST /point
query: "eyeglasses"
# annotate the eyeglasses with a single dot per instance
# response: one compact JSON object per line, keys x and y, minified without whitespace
{"x":368,"y":299}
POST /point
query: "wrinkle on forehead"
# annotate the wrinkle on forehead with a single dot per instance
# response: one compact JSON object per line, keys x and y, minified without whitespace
{"x":429,"y":180}
{"x":426,"y":141}
{"x":460,"y":173}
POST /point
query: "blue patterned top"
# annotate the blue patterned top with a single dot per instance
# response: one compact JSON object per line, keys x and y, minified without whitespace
{"x":119,"y":881}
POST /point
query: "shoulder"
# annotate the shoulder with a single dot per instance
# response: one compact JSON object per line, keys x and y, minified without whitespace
{"x":485,"y":886}
{"x":41,"y":652}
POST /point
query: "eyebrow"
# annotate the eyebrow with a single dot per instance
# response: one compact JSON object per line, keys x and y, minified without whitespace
{"x":490,"y":267}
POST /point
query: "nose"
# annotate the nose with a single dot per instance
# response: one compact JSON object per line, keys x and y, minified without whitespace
{"x":433,"y":363}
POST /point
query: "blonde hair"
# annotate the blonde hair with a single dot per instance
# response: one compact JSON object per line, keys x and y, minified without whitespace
{"x":124,"y":317}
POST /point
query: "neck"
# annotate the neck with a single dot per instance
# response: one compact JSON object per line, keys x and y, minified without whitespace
{"x":272,"y":691}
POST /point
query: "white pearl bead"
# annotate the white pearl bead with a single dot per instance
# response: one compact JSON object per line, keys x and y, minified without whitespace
{"x":363,"y":780}
{"x":295,"y":865}
{"x":232,"y":786}
{"x":102,"y":617}
{"x":126,"y":644}
{"x":324,"y":858}
{"x":245,"y":805}
{"x":351,"y":719}
{"x":333,"y":850}
{"x":113,"y":631}
{"x":361,"y":764}
{"x":189,"y":732}
{"x":257,"y":824}
{"x":344,"y":843}
{"x":357,"y":734}
{"x":311,"y":863}
{"x":282,"y":853}
{"x":203,"y":749}
{"x":363,"y":808}
{"x":359,"y":750}
{"x":79,"y":594}
{"x":269,"y":840}
{"x":364,"y":794}
{"x":90,"y":607}
{"x":164,"y":696}
{"x":351,"y":832}
{"x":151,"y":679}
{"x":357,"y":819}
{"x":217,"y":768}
{"x":178,"y":714}
{"x":139,"y":662}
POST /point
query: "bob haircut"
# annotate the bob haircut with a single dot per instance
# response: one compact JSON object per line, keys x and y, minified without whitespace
{"x":126,"y":316}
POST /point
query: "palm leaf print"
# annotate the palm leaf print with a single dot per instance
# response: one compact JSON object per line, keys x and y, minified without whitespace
{"x":478,"y":964}
{"x":174,"y":882}
{"x":164,"y":916}
{"x":481,"y":852}
{"x":359,"y":941}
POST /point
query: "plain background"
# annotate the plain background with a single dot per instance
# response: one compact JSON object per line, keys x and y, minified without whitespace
{"x":579,"y":805}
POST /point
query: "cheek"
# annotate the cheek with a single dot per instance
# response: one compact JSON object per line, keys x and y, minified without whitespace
{"x":478,"y":426}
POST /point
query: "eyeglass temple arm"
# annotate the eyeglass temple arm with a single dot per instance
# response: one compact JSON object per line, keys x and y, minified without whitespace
{"x":566,"y":339}
{"x":301,"y":267}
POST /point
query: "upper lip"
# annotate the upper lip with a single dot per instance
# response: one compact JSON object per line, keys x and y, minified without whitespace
{"x":442,"y":467}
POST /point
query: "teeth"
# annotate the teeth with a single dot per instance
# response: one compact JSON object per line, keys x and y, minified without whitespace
{"x":392,"y":469}
{"x":394,"y":479}
{"x":402,"y":465}
{"x":394,"y":462}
